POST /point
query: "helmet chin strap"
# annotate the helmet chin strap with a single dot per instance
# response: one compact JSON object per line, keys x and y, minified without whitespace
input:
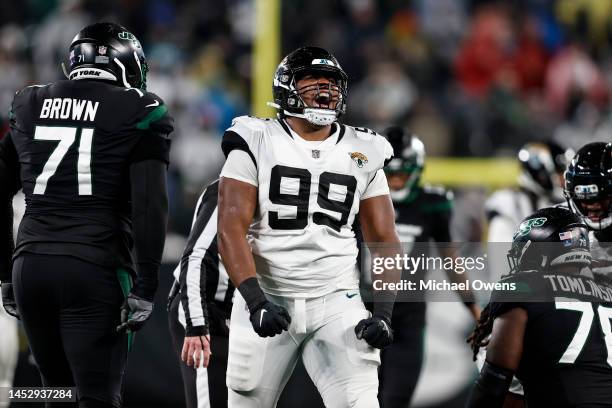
{"x":598,"y":225}
{"x":594,"y":225}
{"x":316,"y":116}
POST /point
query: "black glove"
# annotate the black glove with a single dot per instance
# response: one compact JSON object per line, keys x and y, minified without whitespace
{"x":8,"y":300}
{"x":269,"y":319}
{"x":376,"y":331}
{"x":135,"y":311}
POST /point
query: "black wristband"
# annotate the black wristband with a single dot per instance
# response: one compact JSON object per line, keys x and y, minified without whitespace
{"x":191,"y":331}
{"x":252,"y":293}
{"x":496,"y":380}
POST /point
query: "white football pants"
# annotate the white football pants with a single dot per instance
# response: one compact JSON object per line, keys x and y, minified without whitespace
{"x":343,"y":368}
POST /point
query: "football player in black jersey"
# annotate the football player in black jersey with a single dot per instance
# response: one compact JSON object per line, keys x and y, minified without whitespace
{"x":588,"y":189}
{"x":553,"y":330}
{"x":90,"y":154}
{"x":423,"y":214}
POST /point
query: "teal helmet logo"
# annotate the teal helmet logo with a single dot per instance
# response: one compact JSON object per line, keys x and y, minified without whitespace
{"x":526,"y":226}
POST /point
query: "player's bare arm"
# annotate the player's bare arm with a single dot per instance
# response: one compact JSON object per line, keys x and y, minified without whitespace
{"x":504,"y":353}
{"x":377,"y":220}
{"x":237,"y":203}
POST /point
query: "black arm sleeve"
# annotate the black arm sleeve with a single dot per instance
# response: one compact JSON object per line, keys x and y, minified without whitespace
{"x":7,"y":244}
{"x":149,"y":220}
{"x":9,"y":185}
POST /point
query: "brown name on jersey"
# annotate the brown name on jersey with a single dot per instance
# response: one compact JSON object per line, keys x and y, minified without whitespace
{"x":68,"y":108}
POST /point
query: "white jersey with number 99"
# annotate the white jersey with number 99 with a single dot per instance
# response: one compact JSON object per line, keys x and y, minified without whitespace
{"x":308,"y":197}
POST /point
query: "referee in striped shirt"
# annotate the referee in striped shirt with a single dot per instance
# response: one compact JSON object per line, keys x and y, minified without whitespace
{"x":199,"y":305}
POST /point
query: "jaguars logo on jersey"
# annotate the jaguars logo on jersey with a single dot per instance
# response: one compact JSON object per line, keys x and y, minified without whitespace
{"x":359,"y":158}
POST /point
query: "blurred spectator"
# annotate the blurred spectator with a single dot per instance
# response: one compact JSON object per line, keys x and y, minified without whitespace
{"x":486,"y":55}
{"x":572,"y":77}
{"x":13,"y":66}
{"x":53,"y":36}
{"x":384,"y":96}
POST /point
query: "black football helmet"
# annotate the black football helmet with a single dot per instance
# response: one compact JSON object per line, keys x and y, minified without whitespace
{"x":108,"y":51}
{"x":296,"y":65}
{"x":550,"y":237}
{"x":542,"y":167}
{"x":408,"y":159}
{"x":588,"y":183}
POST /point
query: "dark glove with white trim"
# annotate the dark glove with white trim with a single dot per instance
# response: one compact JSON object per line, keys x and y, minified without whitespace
{"x":267,"y":318}
{"x":376,"y":331}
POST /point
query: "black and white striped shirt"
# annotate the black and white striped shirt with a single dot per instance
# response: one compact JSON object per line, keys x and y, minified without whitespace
{"x":204,"y":287}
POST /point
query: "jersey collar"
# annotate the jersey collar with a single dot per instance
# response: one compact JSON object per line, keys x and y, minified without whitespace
{"x":337,"y":133}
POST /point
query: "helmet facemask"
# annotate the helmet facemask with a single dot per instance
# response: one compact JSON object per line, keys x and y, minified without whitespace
{"x":580,"y":207}
{"x":327,"y":99}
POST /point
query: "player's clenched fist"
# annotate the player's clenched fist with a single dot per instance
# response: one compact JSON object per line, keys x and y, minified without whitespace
{"x":376,"y":331}
{"x":267,"y":318}
{"x":270,"y":319}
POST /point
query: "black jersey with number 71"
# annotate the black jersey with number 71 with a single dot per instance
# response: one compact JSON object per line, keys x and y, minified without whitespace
{"x":71,"y":144}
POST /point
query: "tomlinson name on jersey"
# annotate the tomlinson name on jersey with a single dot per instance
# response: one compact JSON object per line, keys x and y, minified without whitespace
{"x":67,"y":108}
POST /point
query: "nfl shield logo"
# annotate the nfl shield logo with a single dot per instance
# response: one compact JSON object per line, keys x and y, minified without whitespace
{"x":102,"y":50}
{"x":316,"y":154}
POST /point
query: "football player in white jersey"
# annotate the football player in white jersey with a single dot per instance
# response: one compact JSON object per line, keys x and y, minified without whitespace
{"x":295,"y":185}
{"x":540,"y":185}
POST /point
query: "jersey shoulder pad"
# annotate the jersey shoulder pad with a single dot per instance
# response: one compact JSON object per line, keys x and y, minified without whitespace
{"x":377,"y":146}
{"x":151,"y":113}
{"x":519,"y":289}
{"x":23,"y":98}
{"x":245,"y":134}
{"x":28,"y":90}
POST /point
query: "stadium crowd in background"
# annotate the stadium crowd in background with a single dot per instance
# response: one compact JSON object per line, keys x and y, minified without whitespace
{"x":473,"y":78}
